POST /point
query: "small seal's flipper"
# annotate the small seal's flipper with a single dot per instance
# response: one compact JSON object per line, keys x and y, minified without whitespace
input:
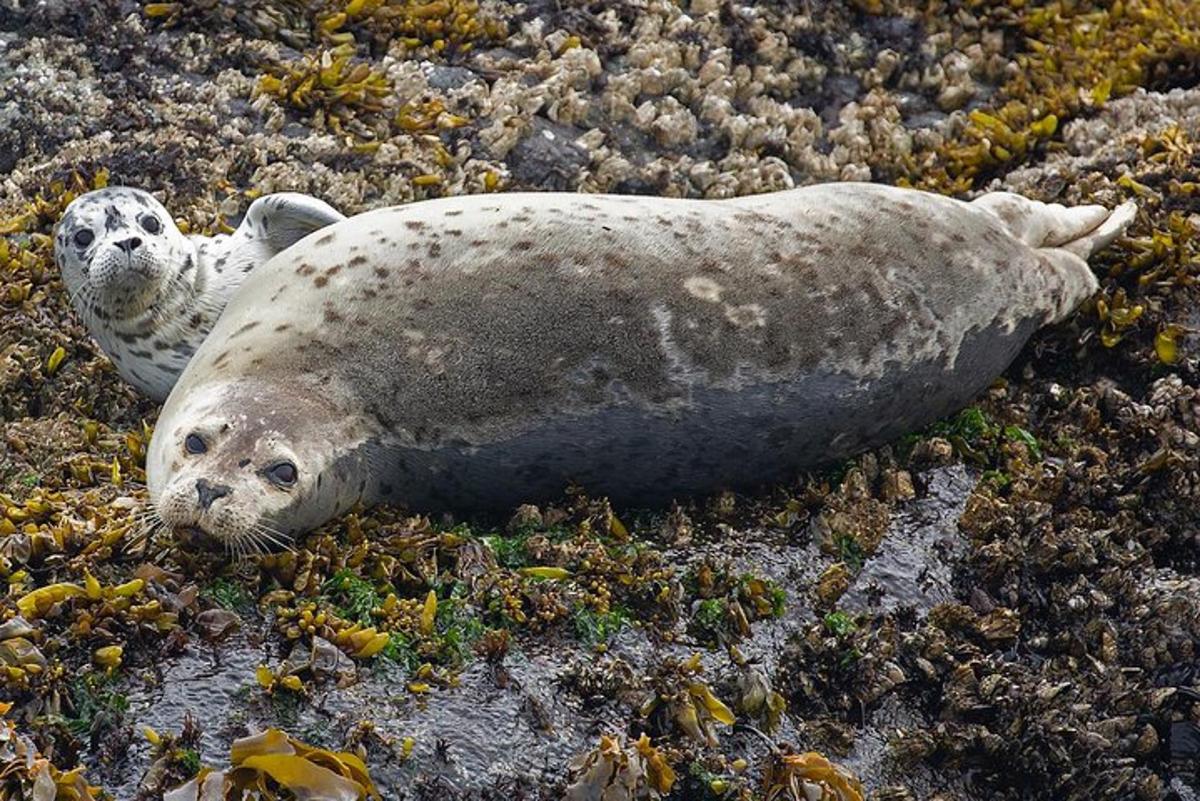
{"x":1064,"y":239}
{"x":284,"y":218}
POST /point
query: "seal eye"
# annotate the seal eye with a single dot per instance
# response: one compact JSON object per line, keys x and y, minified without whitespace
{"x":84,"y":237}
{"x":194,"y":445}
{"x":150,"y":223}
{"x":282,"y":474}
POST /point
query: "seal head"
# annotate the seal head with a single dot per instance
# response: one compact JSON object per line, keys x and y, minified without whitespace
{"x":119,"y":250}
{"x":150,"y":295}
{"x":255,"y":464}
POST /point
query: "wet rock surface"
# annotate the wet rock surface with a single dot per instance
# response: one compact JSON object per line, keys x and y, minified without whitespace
{"x":1004,"y":606}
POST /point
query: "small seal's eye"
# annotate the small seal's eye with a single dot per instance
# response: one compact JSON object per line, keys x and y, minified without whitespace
{"x":150,"y":223}
{"x":84,"y":237}
{"x":282,"y":474}
{"x":194,"y":444}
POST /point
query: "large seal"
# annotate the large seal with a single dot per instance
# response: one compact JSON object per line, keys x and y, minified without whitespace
{"x":476,"y":352}
{"x":148,"y":294}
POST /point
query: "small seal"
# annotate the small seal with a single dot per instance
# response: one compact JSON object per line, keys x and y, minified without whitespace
{"x":476,"y":352}
{"x":148,"y":294}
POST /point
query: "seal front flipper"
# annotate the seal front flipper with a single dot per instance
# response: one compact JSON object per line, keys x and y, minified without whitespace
{"x":284,"y":218}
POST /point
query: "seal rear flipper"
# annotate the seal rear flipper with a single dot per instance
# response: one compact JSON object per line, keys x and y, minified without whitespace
{"x":284,"y":218}
{"x":1081,"y":230}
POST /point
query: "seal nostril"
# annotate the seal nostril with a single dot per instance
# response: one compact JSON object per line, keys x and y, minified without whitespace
{"x":131,"y":244}
{"x":207,"y":493}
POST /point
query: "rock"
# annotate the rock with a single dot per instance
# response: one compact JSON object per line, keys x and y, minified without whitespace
{"x":547,"y":157}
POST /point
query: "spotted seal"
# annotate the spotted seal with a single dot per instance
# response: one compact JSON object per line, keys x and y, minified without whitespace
{"x":148,"y":294}
{"x":475,"y":352}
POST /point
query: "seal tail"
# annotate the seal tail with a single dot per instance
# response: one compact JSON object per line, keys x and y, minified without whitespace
{"x":1064,"y":238}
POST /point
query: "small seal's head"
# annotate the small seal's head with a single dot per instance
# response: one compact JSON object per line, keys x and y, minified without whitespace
{"x":118,"y":250}
{"x":254,"y":464}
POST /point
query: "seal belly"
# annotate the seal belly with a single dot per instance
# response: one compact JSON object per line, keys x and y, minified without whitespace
{"x":723,"y":439}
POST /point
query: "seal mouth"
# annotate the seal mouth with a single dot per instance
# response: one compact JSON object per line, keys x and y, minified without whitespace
{"x":195,"y":537}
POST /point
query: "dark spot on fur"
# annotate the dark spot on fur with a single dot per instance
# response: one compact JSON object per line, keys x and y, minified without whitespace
{"x":454,"y":231}
{"x":188,"y":264}
{"x":245,"y":328}
{"x":325,"y":240}
{"x":334,"y":270}
{"x":382,"y":272}
{"x":283,"y":326}
{"x":414,"y":225}
{"x":196,"y":320}
{"x":523,"y":244}
{"x":320,"y":281}
{"x":243,"y":462}
{"x":331,"y":316}
{"x":454,"y":212}
{"x":305,"y":269}
{"x":357,"y":261}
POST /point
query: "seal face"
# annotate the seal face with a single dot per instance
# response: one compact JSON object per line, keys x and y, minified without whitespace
{"x":147,"y":293}
{"x":482,"y":351}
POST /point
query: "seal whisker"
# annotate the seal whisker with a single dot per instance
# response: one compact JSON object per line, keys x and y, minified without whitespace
{"x":145,"y":530}
{"x":274,"y":536}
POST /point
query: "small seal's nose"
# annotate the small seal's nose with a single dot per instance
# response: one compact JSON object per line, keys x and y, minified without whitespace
{"x":208,"y":493}
{"x":129,"y":245}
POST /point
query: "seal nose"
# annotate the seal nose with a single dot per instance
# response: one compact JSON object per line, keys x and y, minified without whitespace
{"x":131,"y":244}
{"x":208,"y":493}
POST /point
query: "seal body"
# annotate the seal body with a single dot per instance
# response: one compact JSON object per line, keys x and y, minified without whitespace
{"x":148,"y":294}
{"x":478,"y":352}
